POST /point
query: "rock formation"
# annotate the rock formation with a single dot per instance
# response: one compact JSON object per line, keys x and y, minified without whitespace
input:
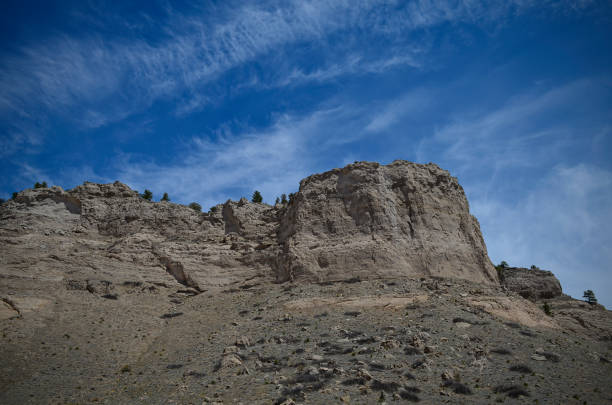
{"x":531,"y":283}
{"x":372,"y":221}
{"x":364,"y":221}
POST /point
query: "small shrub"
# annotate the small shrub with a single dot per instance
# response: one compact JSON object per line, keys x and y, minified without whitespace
{"x":2,"y":201}
{"x":257,"y":198}
{"x":590,"y":297}
{"x":291,"y":197}
{"x":513,"y":391}
{"x":147,"y":195}
{"x":195,"y":206}
{"x":458,"y":388}
{"x":165,"y":197}
{"x":277,"y":201}
{"x":390,"y":386}
{"x":174,"y":366}
{"x":534,"y":267}
{"x":521,"y":368}
{"x":126,"y":369}
{"x":546,"y":308}
{"x":283,"y":198}
{"x":409,"y":396}
{"x":213,"y":209}
{"x":354,"y":381}
{"x":14,"y":195}
{"x":171,"y":315}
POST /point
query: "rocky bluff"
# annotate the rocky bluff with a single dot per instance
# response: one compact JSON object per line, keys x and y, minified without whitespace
{"x":372,"y":284}
{"x":363,"y":221}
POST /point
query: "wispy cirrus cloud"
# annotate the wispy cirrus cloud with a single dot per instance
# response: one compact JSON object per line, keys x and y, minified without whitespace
{"x":272,"y":159}
{"x":93,"y":81}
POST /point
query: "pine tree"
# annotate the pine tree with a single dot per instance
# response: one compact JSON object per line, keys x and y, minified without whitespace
{"x":257,"y":198}
{"x":195,"y":206}
{"x":147,"y":195}
{"x":44,"y":184}
{"x":590,"y":297}
{"x":37,"y":185}
{"x":165,"y":197}
{"x":283,"y":198}
{"x":277,"y":201}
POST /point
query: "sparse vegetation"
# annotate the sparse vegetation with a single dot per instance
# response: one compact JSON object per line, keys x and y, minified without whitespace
{"x":589,"y":297}
{"x":213,"y":208}
{"x":534,"y":267}
{"x":257,"y":198}
{"x":195,"y":206}
{"x":147,"y":195}
{"x":14,"y":195}
{"x":40,"y":185}
{"x":277,"y":201}
{"x":291,"y":197}
{"x":165,"y":197}
{"x":283,"y":198}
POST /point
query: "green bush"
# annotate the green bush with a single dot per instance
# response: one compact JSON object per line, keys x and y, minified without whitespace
{"x":165,"y":197}
{"x":40,"y":185}
{"x":147,"y":195}
{"x":277,"y":201}
{"x":14,"y":195}
{"x":213,"y":208}
{"x":195,"y":206}
{"x":283,"y":198}
{"x":257,"y":198}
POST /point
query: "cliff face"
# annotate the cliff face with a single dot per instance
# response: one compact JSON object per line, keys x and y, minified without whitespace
{"x":368,"y":220}
{"x":363,"y":221}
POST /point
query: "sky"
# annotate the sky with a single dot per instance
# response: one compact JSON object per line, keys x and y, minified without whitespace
{"x":209,"y":101}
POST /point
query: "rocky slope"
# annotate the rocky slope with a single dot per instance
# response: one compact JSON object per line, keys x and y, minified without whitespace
{"x":373,"y":284}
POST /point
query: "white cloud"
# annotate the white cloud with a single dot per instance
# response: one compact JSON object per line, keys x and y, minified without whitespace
{"x":561,"y":225}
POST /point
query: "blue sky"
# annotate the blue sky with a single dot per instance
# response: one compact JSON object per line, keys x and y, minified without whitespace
{"x":211,"y":100}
